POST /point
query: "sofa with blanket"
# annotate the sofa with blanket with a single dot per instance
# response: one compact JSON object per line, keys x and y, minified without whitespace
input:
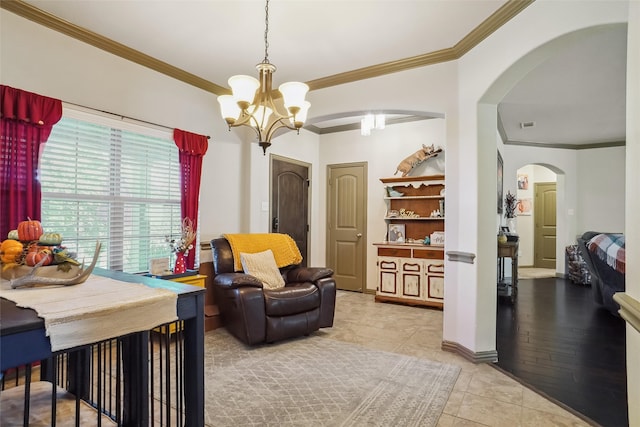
{"x":279,"y":299}
{"x":604,"y":254}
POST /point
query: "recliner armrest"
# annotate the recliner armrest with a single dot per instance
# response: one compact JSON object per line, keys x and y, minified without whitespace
{"x":236,"y":280}
{"x":307,"y":274}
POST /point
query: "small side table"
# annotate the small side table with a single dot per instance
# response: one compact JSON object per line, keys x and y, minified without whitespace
{"x":508,"y":287}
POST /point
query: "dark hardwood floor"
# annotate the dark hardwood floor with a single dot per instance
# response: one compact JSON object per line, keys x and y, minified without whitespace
{"x":557,"y":340}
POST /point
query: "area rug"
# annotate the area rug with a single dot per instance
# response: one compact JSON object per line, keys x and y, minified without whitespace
{"x":318,"y":381}
{"x":536,"y":273}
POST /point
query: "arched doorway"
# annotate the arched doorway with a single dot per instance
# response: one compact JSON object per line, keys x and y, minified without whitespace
{"x":536,"y":220}
{"x":516,"y":157}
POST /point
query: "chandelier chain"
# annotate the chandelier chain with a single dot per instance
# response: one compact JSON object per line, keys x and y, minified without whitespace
{"x":266,"y":32}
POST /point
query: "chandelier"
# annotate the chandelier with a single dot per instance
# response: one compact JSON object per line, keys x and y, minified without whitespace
{"x":253,"y":103}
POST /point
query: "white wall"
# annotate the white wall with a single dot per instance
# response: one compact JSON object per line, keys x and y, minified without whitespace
{"x":383,"y":150}
{"x":601,"y":190}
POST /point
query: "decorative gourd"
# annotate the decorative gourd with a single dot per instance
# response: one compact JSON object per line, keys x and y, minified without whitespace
{"x":29,"y":230}
{"x":35,"y":257}
{"x":10,"y":250}
{"x":52,"y":239}
{"x":13,"y":235}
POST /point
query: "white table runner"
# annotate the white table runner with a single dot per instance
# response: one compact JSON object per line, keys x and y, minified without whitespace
{"x":96,"y":310}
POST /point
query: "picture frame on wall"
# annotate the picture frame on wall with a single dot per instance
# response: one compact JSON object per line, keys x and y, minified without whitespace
{"x":500,"y":181}
{"x":523,"y":181}
{"x":396,"y":233}
{"x":524,"y":206}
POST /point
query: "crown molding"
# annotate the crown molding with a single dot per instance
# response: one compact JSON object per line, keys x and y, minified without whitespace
{"x":490,"y":25}
{"x":471,"y":40}
{"x":48,"y":20}
{"x":482,"y":31}
{"x":390,"y":67}
{"x":608,"y":144}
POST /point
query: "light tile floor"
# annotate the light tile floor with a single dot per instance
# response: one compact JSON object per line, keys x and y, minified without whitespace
{"x":482,"y":396}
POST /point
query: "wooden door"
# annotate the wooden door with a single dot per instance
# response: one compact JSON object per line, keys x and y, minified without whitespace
{"x":290,"y":201}
{"x":545,"y":225}
{"x":346,"y":224}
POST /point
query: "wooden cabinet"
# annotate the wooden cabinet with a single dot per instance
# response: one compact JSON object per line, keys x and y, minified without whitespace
{"x":411,"y":272}
{"x":421,"y":195}
{"x":413,"y":276}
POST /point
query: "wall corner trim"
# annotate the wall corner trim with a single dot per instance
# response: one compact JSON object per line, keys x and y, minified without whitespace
{"x":629,"y":309}
{"x":458,"y":256}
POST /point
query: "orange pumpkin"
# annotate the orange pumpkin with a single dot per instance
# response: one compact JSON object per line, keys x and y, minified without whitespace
{"x":29,"y":230}
{"x":35,"y":257}
{"x":10,"y":251}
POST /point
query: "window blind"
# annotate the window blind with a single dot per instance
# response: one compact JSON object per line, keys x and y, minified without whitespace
{"x":108,"y":180}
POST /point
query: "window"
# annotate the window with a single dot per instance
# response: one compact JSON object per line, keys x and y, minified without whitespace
{"x":113,"y":181}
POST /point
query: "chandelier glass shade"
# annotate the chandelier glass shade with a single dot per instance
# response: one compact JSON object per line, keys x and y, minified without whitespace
{"x":255,"y":104}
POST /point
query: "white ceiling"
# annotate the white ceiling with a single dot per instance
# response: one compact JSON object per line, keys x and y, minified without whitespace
{"x":576,"y":97}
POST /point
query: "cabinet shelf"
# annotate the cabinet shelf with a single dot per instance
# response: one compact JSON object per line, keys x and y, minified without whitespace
{"x":413,"y":197}
{"x":421,"y":218}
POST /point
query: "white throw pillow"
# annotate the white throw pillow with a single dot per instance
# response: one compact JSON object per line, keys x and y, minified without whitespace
{"x":262,"y":265}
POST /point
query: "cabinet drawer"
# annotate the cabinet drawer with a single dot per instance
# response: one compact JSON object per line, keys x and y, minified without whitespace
{"x":406,"y":253}
{"x":435,"y":268}
{"x":428,"y":254}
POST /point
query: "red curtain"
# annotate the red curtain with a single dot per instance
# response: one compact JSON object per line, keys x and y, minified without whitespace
{"x":192,"y":148}
{"x":27,"y":119}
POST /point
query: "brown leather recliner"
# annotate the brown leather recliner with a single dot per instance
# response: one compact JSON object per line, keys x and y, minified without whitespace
{"x":255,"y":314}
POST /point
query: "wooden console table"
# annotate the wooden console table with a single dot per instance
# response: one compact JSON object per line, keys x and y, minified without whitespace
{"x":508,"y":287}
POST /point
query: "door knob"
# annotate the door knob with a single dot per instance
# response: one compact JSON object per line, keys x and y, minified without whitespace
{"x":359,"y":235}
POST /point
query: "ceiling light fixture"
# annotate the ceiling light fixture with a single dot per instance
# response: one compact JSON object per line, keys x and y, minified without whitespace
{"x":252,"y":101}
{"x":371,"y":121}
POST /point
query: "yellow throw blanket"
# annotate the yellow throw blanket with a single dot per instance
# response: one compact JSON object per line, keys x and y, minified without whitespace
{"x":284,"y":248}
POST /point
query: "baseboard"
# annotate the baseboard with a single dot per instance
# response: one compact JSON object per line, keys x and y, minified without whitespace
{"x":471,"y":356}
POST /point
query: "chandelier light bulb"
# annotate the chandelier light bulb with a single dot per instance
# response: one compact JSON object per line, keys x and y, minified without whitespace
{"x":244,"y":89}
{"x":293,"y":94}
{"x":229,"y":108}
{"x":261,"y":115}
{"x":380,"y":121}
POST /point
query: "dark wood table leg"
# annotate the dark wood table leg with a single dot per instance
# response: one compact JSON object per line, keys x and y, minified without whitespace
{"x":194,"y":366}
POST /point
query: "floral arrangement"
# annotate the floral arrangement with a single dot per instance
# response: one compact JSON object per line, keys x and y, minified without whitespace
{"x":185,"y":243}
{"x":510,"y":203}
